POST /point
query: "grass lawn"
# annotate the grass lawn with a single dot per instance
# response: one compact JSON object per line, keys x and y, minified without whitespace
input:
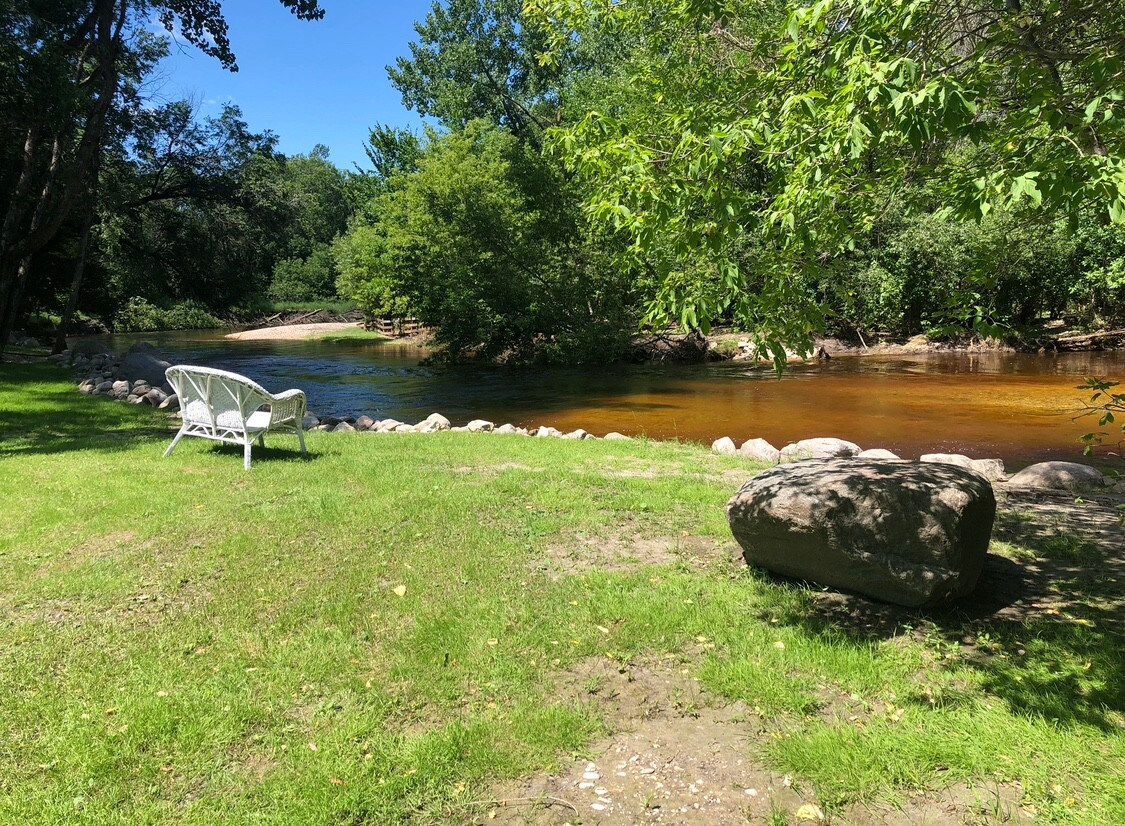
{"x":388,"y":632}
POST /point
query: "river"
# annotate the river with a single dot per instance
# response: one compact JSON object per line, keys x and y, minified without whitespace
{"x":1019,"y":407}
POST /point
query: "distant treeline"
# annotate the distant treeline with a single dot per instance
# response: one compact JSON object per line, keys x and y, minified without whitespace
{"x":592,"y":173}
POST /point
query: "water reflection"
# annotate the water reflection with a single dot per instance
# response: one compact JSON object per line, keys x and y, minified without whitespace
{"x":1016,"y":406}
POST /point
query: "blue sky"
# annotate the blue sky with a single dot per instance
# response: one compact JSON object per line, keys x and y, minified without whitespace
{"x":308,"y":82}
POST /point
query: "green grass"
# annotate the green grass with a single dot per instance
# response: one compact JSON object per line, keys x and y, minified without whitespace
{"x":349,"y":336}
{"x":181,"y":641}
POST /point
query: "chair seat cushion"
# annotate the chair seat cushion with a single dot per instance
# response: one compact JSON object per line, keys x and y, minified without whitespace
{"x":197,"y":412}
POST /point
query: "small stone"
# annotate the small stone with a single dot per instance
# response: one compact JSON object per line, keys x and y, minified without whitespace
{"x":481,"y":426}
{"x":724,"y":446}
{"x":507,"y":430}
{"x":139,"y":383}
{"x":406,"y":428}
{"x":172,"y":402}
{"x":598,"y":807}
{"x":759,"y":450}
{"x":121,"y":387}
{"x":591,"y":775}
{"x":1070,"y":476}
{"x":617,"y":437}
{"x":546,"y":432}
{"x":309,"y":422}
{"x":364,"y":423}
{"x":439,"y":420}
{"x":577,"y":434}
{"x":387,"y":425}
{"x":819,"y":448}
{"x":343,"y":427}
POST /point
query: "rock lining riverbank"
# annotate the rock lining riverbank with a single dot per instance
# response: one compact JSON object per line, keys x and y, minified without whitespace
{"x":137,"y":377}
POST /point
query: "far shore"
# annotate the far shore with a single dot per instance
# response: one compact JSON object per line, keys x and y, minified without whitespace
{"x":295,"y":332}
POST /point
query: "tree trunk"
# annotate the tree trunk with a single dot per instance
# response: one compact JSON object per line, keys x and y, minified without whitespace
{"x":76,"y":149}
{"x":75,"y":282}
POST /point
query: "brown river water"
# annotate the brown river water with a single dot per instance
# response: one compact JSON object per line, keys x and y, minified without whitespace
{"x":1019,"y":407}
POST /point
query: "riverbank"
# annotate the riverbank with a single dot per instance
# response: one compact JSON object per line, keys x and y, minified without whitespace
{"x":467,"y":628}
{"x":304,"y":332}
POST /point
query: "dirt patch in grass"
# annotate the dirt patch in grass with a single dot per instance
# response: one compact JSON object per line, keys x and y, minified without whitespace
{"x":622,"y":551}
{"x":679,"y":755}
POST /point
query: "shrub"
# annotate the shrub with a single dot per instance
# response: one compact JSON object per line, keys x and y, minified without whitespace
{"x":139,"y":316}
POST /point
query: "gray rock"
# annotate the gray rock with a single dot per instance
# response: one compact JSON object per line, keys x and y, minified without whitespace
{"x":990,"y":469}
{"x":139,"y":382}
{"x":310,"y":421}
{"x":343,"y":427}
{"x":876,"y":453}
{"x":1060,"y":476}
{"x":480,"y":426}
{"x":143,"y":361}
{"x":388,"y":425}
{"x":87,"y":348}
{"x":819,"y":448}
{"x":324,"y":428}
{"x":331,"y":421}
{"x":507,"y":430}
{"x":547,"y":432}
{"x":133,"y":398}
{"x":617,"y":437}
{"x":405,"y":428}
{"x":155,"y":397}
{"x":725,"y":446}
{"x":459,"y":429}
{"x":578,"y":434}
{"x":910,"y":533}
{"x":171,"y":403}
{"x":759,"y":450}
{"x":104,"y":386}
{"x":120,"y":388}
{"x":364,"y":423}
{"x":439,"y":420}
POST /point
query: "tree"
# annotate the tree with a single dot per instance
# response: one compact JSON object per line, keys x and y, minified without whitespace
{"x":62,"y":65}
{"x":475,"y":59}
{"x":797,"y":127}
{"x":484,"y":241}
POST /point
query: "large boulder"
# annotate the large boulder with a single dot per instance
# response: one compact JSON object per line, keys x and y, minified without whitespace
{"x":143,"y":361}
{"x":1059,"y":476}
{"x":903,"y":532}
{"x":819,"y":448}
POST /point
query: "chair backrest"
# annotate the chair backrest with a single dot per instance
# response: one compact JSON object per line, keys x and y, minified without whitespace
{"x":215,"y":397}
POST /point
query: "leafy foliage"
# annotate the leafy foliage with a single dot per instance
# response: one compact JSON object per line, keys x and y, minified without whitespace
{"x":484,"y":243}
{"x":798,"y":127}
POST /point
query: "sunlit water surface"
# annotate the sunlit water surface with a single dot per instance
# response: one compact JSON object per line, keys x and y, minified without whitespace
{"x":1020,"y":407}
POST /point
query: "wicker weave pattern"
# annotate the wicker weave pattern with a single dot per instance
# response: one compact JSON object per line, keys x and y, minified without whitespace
{"x":227,"y":407}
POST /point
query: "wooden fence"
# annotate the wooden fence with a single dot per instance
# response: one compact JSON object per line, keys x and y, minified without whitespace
{"x":396,"y":327}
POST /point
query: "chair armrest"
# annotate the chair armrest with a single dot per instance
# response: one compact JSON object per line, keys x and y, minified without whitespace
{"x":288,"y":406}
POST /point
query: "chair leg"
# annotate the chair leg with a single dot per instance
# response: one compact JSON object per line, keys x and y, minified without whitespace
{"x":172,"y":446}
{"x":262,"y":439}
{"x":301,"y":439}
{"x":246,"y":454}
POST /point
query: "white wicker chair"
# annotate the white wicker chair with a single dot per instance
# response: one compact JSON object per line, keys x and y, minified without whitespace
{"x":227,"y":407}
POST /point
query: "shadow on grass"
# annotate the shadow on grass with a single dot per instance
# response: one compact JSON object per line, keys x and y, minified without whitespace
{"x":40,"y":415}
{"x":1045,"y":630}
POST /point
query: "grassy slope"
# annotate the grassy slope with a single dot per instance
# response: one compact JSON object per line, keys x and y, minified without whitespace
{"x":183,"y":641}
